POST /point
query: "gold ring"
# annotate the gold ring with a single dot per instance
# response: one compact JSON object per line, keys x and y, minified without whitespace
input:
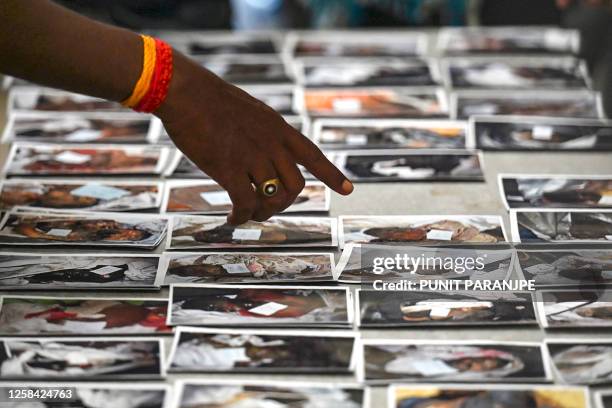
{"x":269,"y":188}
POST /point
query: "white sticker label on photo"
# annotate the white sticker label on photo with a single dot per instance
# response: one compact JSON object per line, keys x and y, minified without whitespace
{"x":609,"y":237}
{"x":106,"y":270}
{"x":433,"y":368}
{"x":347,"y":105}
{"x":236,"y":268}
{"x":440,"y":235}
{"x":605,"y":200}
{"x":268,"y":309}
{"x":59,"y":232}
{"x":354,"y":140}
{"x":441,"y":312}
{"x":216,"y":198}
{"x":515,"y":198}
{"x":84,"y":135}
{"x":243,"y":234}
{"x":542,"y":132}
{"x":100,"y":191}
{"x":72,"y":157}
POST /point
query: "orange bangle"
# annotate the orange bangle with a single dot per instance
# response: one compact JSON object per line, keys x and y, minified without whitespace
{"x":160,"y":83}
{"x":148,"y":68}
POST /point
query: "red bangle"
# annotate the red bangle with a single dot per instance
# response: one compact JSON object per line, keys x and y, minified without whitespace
{"x":160,"y":82}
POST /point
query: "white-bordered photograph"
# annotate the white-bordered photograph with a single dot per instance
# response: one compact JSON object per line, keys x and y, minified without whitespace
{"x":566,"y":267}
{"x":31,"y":98}
{"x":478,"y":229}
{"x":574,"y":309}
{"x":365,"y":262}
{"x":191,"y":231}
{"x":487,"y":395}
{"x":508,"y":40}
{"x":32,"y":159}
{"x":346,"y":73}
{"x":252,"y":70}
{"x":73,"y":194}
{"x":244,"y":267}
{"x":555,"y":190}
{"x":581,"y":361}
{"x":410,"y":165}
{"x":392,"y":309}
{"x":280,"y":97}
{"x":279,"y":394}
{"x":326,"y":44}
{"x":349,"y":134}
{"x":78,"y":271}
{"x":535,"y":72}
{"x":393,"y":361}
{"x":95,"y":358}
{"x":564,"y":103}
{"x":83,"y":316}
{"x":53,"y":127}
{"x":242,"y":351}
{"x":87,"y":394}
{"x":83,"y":228}
{"x":524,"y":133}
{"x":368,"y":102}
{"x":265,"y":306}
{"x":202,"y":197}
{"x":577,"y":225}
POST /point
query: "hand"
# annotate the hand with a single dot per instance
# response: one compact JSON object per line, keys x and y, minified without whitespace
{"x":240,"y":142}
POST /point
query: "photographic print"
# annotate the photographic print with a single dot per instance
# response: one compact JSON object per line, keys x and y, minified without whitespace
{"x":81,"y":228}
{"x":560,"y":309}
{"x":570,"y":104}
{"x":362,"y":72}
{"x":245,"y":267}
{"x":30,"y":271}
{"x":555,"y":191}
{"x":264,"y":352}
{"x":409,"y":165}
{"x":539,"y":133}
{"x":48,"y":316}
{"x":79,"y":128}
{"x":207,"y":197}
{"x":53,"y":100}
{"x":478,"y":229}
{"x":386,"y":309}
{"x":279,"y":97}
{"x":516,"y":73}
{"x":349,"y":134}
{"x":67,"y":194}
{"x":86,"y":395}
{"x":534,"y":225}
{"x":249,"y":70}
{"x":214,"y":232}
{"x":508,"y":40}
{"x":277,"y":394}
{"x":81,"y":358}
{"x":502,"y":396}
{"x":85,"y":160}
{"x":180,"y":166}
{"x":387,"y":361}
{"x":356,"y":44}
{"x":572,"y":267}
{"x":361,"y":263}
{"x":407,"y":102}
{"x":244,"y":305}
{"x":603,"y":398}
{"x":580,"y":361}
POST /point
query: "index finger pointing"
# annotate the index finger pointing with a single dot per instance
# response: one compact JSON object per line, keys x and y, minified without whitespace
{"x":310,"y":156}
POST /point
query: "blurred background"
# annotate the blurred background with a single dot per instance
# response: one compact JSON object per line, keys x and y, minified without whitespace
{"x":593,"y":18}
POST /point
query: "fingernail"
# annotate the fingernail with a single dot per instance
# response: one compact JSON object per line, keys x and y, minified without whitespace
{"x":347,"y":187}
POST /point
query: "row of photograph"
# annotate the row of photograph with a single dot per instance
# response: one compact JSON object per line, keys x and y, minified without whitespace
{"x":195,"y":393}
{"x":408,"y":102}
{"x":336,"y":307}
{"x":547,"y":268}
{"x":23,"y":227}
{"x":500,"y":132}
{"x":295,"y":352}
